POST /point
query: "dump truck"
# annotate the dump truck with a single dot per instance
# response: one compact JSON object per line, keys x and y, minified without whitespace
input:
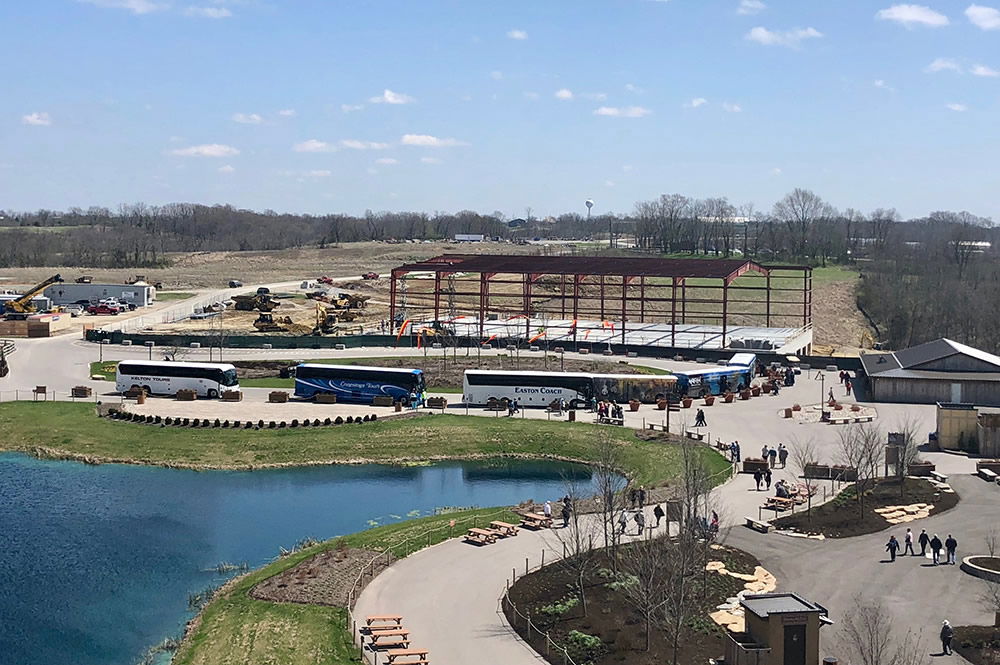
{"x":259,"y":302}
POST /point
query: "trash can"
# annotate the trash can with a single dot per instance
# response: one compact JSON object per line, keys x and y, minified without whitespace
{"x":141,"y":399}
{"x":572,"y":416}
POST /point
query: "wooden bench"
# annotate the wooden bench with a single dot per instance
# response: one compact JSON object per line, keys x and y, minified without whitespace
{"x":938,"y":476}
{"x":778,"y":503}
{"x":987,"y":475}
{"x":398,"y":637}
{"x":863,"y":419}
{"x":758,"y":525}
{"x":420,"y":656}
{"x":384,"y":618}
{"x":611,"y":421}
{"x":503,"y":528}
{"x":656,"y":427}
{"x":481,"y":536}
{"x":536,"y":521}
{"x":694,"y":434}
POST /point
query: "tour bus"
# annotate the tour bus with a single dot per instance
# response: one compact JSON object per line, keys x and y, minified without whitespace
{"x":575,"y":388}
{"x":738,"y":371}
{"x":161,"y":377}
{"x":357,"y":384}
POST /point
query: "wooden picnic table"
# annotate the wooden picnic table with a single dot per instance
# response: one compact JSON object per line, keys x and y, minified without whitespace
{"x":394,"y":632}
{"x":384,"y":618}
{"x":504,"y":528}
{"x":482,"y":536}
{"x":779,"y":503}
{"x":419,"y":654}
{"x":536,"y":521}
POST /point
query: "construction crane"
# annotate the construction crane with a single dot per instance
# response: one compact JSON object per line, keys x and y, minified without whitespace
{"x":19,"y":308}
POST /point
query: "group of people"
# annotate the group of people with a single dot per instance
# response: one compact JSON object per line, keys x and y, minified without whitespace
{"x":513,"y":406}
{"x":845,"y":380}
{"x":699,"y":418}
{"x":610,"y":410}
{"x":567,"y":510}
{"x":775,"y":456}
{"x":734,"y":452}
{"x":949,"y":545}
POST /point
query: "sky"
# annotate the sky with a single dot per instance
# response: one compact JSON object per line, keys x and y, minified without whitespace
{"x":327,"y":106}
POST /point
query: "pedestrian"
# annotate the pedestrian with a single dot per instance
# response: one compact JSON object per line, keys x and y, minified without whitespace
{"x":891,"y":547}
{"x":732,"y":452}
{"x":936,"y":549}
{"x":763,"y":452}
{"x":848,"y":385}
{"x":714,"y":524}
{"x":950,"y":545}
{"x":565,"y":515}
{"x":623,"y":521}
{"x":908,"y":542}
{"x":642,"y":496}
{"x":658,"y":514}
{"x":640,"y":521}
{"x":776,"y":389}
{"x":946,"y":634}
{"x":782,"y":455}
{"x":773,"y":456}
{"x":633,"y":496}
{"x":924,"y":540}
{"x":830,"y":398}
{"x":699,"y":418}
{"x":843,"y":376}
{"x":738,"y":454}
{"x":547,"y":509}
{"x":767,"y":478}
{"x":757,"y":477}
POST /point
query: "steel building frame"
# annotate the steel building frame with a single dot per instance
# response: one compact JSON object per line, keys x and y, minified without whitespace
{"x":630,"y":284}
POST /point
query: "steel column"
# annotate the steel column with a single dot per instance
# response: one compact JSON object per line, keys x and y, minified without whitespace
{"x":768,"y":292}
{"x":437,"y":297}
{"x":576,"y":301}
{"x":483,"y":287}
{"x":642,"y":299}
{"x":392,"y":302}
{"x":673,"y":312}
{"x":562,"y":294}
{"x":725,"y":307}
{"x":602,"y":298}
{"x":625,"y":281}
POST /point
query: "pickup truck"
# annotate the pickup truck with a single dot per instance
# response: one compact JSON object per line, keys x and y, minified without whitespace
{"x":103,"y":308}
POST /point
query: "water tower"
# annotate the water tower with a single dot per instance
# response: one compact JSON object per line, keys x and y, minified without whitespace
{"x":590,"y":204}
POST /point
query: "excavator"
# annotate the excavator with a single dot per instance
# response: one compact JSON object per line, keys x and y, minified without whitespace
{"x":326,"y":321}
{"x":21,"y":307}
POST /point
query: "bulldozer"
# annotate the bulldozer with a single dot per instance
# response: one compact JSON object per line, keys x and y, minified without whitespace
{"x":267,"y":323}
{"x":260,"y":302}
{"x":326,"y":321}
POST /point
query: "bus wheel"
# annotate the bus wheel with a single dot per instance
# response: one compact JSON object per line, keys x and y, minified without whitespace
{"x":134,"y":388}
{"x":212,"y":393}
{"x":149,"y":391}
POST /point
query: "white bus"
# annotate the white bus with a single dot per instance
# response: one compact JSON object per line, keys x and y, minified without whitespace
{"x":576,"y":388}
{"x":161,"y":377}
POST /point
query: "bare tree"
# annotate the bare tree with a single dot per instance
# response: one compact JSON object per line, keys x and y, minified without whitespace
{"x":992,"y":540}
{"x":610,"y":485}
{"x":861,"y":449}
{"x":870,"y":636}
{"x":578,"y":553}
{"x":907,"y":431}
{"x":644,"y":579}
{"x":798,"y":211}
{"x":990,"y":597}
{"x":803,"y":454}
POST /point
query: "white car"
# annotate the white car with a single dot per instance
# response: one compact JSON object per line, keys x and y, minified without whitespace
{"x":74,"y":310}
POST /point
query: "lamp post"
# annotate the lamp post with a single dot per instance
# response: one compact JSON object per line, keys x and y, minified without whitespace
{"x":822,"y":394}
{"x":101,"y":347}
{"x":149,"y":345}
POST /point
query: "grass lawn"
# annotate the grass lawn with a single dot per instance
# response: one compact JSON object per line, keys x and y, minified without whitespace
{"x":173,"y":295}
{"x":72,"y":428}
{"x":235,"y":628}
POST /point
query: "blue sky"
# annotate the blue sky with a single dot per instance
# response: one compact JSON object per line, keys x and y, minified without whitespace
{"x":338,"y":106}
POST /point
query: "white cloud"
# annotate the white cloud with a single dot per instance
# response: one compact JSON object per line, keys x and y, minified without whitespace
{"x":386,"y":161}
{"x":564,"y":93}
{"x":38,"y":118}
{"x":428,"y":141}
{"x":732,"y":108}
{"x":750,"y":7}
{"x":790,"y":38}
{"x":206,"y":150}
{"x":696,"y":102}
{"x":354,"y":144}
{"x":390,"y":97}
{"x":943,"y":64}
{"x":609,"y":183}
{"x":319,"y":173}
{"x":957,"y":107}
{"x":496,"y":75}
{"x":622,"y":112}
{"x":347,"y":108}
{"x":313,"y":145}
{"x":983,"y":70}
{"x":882,"y":85}
{"x":430,"y":160}
{"x":985,"y":18}
{"x":248,"y":118}
{"x":287,"y":113}
{"x":911,"y":15}
{"x":208,"y":12}
{"x":517,"y":34}
{"x":226,"y":169}
{"x":775,"y":171}
{"x":134,"y":6}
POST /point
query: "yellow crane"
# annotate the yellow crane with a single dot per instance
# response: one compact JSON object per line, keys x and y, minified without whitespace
{"x":21,"y":307}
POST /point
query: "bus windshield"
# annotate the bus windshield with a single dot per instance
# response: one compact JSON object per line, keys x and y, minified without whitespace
{"x":229,"y":378}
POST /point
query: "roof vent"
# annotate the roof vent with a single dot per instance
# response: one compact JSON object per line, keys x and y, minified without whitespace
{"x":881,"y":359}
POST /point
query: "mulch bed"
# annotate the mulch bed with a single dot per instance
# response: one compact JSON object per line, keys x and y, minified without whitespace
{"x":989,"y":563}
{"x":839,"y":518}
{"x":324,"y":579}
{"x":619,"y":626}
{"x":980,"y":645}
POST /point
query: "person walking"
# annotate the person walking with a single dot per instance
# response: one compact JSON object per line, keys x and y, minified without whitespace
{"x":699,"y":418}
{"x":947,"y":633}
{"x":950,"y":545}
{"x":772,"y":455}
{"x":565,"y":514}
{"x":848,"y":385}
{"x":658,"y":514}
{"x":547,"y":509}
{"x":633,"y":496}
{"x":936,"y":549}
{"x":642,"y":496}
{"x":640,"y":521}
{"x":757,"y":477}
{"x":908,"y":543}
{"x":829,"y":397}
{"x":891,"y":547}
{"x":924,"y":540}
{"x":783,"y":455}
{"x":763,"y":452}
{"x":767,"y":478}
{"x":623,"y":522}
{"x":737,"y":444}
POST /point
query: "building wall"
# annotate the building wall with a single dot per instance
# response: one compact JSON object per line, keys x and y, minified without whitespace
{"x":954,"y":424}
{"x":930,"y":391}
{"x":989,"y":435}
{"x":64,"y":294}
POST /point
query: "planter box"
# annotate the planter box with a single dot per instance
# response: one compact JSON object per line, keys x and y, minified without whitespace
{"x":989,"y":464}
{"x":326,"y":398}
{"x":728,"y":398}
{"x":82,"y":391}
{"x":796,"y":407}
{"x":633,"y":405}
{"x":845,"y":473}
{"x":437,"y":403}
{"x":709,"y":400}
{"x":662,"y":404}
{"x":186,"y":395}
{"x":788,"y":412}
{"x":232,"y":396}
{"x":766,"y":388}
{"x":382,"y":400}
{"x":686,"y":402}
{"x":754,"y":464}
{"x":920,"y":469}
{"x":277,"y":397}
{"x":816,"y":471}
{"x":755,"y":391}
{"x":745,"y":394}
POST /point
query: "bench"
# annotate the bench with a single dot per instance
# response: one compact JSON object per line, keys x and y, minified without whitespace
{"x":394,"y":636}
{"x":384,"y":618}
{"x":694,"y":434}
{"x":536,"y":521}
{"x":611,"y":421}
{"x":481,"y":536}
{"x":419,"y":654}
{"x":503,"y":528}
{"x":758,"y":525}
{"x":987,"y":475}
{"x":656,"y":427}
{"x":40,"y":390}
{"x":938,"y":476}
{"x":863,"y":419}
{"x":779,"y":503}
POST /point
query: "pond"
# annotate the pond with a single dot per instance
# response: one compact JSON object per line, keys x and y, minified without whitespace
{"x":97,"y":562}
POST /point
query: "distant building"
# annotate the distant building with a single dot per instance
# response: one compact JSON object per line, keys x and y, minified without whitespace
{"x":469,"y":237}
{"x":938,"y":371}
{"x":141,"y":295}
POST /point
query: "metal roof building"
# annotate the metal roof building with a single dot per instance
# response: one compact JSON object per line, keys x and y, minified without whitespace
{"x":937,"y":371}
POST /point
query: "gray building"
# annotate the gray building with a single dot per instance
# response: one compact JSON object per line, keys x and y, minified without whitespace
{"x":938,"y":371}
{"x":66,"y":293}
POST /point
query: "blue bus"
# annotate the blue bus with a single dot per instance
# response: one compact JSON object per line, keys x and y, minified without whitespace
{"x":357,"y":384}
{"x":739,"y":371}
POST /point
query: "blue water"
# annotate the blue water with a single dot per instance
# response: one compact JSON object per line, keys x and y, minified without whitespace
{"x":97,"y":562}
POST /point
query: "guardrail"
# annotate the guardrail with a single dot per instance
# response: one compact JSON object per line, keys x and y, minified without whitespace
{"x":8,"y":346}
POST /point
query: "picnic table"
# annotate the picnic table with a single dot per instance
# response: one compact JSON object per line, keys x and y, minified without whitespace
{"x":384,"y":618}
{"x":779,"y":503}
{"x":536,"y":521}
{"x":503,"y":528}
{"x":396,"y":637}
{"x":420,"y":656}
{"x":481,"y":536}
